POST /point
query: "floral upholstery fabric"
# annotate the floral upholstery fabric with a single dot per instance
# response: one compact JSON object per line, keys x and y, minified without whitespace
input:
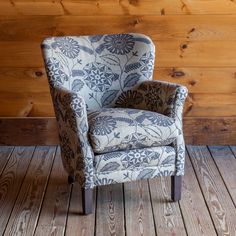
{"x":134,"y":159}
{"x":100,"y":68}
{"x":112,"y":129}
{"x":90,"y":73}
{"x":129,"y":165}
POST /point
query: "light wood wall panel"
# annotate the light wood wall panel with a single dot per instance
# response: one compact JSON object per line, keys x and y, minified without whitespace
{"x":171,"y":27}
{"x":117,"y":7}
{"x":195,"y":46}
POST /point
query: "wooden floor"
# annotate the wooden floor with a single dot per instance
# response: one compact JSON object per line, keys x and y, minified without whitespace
{"x":35,"y":198}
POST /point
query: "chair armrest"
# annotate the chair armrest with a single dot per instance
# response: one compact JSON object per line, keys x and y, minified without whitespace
{"x":168,"y":99}
{"x":77,"y":154}
{"x":163,"y":97}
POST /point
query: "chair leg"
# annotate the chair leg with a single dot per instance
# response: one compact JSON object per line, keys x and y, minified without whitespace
{"x":87,"y":201}
{"x":176,"y":184}
{"x":71,"y":179}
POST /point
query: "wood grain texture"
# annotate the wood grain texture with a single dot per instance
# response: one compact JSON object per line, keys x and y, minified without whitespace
{"x":25,"y":213}
{"x":210,"y":130}
{"x":5,"y":153}
{"x":226,"y":163}
{"x":200,"y":80}
{"x":124,"y":7}
{"x":194,"y":210}
{"x":147,"y":209}
{"x":110,"y":210}
{"x":168,"y":28}
{"x":214,"y":190}
{"x":195,"y":45}
{"x":11,"y":181}
{"x":167,"y":215}
{"x":29,"y":131}
{"x":138,"y":209}
{"x":53,"y":215}
{"x":77,"y":223}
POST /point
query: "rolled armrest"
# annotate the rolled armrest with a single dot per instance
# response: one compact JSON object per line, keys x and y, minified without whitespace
{"x":167,"y":99}
{"x":163,"y":97}
{"x":77,"y":154}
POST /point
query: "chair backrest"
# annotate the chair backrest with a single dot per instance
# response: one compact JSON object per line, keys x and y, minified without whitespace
{"x":101,"y":68}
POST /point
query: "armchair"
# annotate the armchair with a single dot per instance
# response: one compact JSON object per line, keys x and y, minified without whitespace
{"x":115,"y":123}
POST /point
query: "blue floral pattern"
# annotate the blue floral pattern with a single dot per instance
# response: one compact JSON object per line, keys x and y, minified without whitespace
{"x":94,"y":82}
{"x":104,"y":125}
{"x":68,"y":46}
{"x":116,"y":128}
{"x":147,"y":63}
{"x":55,"y":72}
{"x":98,"y":77}
{"x":119,"y":43}
{"x":133,"y":164}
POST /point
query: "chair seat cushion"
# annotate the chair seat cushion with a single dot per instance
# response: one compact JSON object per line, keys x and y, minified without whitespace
{"x":134,"y":159}
{"x":113,"y":129}
{"x":129,"y":165}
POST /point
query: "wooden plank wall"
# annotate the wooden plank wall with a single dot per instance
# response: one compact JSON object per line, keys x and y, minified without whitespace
{"x":195,"y":46}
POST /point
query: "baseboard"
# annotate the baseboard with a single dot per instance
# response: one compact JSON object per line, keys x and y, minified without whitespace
{"x":43,"y":131}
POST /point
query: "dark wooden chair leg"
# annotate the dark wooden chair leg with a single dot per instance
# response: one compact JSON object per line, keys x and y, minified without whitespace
{"x":176,"y":184}
{"x":87,"y":201}
{"x":71,"y":179}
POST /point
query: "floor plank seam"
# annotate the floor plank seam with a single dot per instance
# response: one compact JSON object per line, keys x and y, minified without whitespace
{"x":183,"y":219}
{"x":95,"y":210}
{"x":68,"y":208}
{"x":8,"y":158}
{"x":123,"y":192}
{"x":150,"y":197}
{"x":230,"y":147}
{"x":208,"y":209}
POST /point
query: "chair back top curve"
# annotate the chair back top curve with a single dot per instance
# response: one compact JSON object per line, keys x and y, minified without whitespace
{"x":101,"y":68}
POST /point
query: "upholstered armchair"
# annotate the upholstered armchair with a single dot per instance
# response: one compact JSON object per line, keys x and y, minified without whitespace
{"x":115,"y":123}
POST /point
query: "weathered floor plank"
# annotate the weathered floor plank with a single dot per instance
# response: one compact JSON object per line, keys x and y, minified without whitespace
{"x":226,"y":163}
{"x":53,"y":216}
{"x":167,"y":215}
{"x":25,"y":213}
{"x":5,"y":153}
{"x":11,"y":181}
{"x":35,"y":198}
{"x":110,"y":210}
{"x":216,"y":195}
{"x":78,"y":224}
{"x":194,"y":210}
{"x":138,"y":209}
